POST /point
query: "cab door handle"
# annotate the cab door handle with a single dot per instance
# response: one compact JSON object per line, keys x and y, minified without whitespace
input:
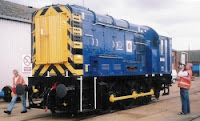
{"x":97,"y":42}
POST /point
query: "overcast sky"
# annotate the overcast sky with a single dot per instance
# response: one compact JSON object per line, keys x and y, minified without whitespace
{"x":179,"y":19}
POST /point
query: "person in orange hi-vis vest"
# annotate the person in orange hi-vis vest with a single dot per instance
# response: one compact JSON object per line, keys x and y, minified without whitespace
{"x":184,"y":82}
{"x":17,"y":79}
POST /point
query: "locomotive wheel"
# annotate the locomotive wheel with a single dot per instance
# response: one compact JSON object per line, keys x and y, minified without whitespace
{"x":128,"y":89}
{"x":106,"y":106}
{"x":147,"y":86}
{"x":105,"y":91}
{"x":144,"y":100}
{"x":126,"y":104}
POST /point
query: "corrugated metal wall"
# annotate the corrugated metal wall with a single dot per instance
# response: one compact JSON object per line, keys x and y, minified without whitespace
{"x":15,"y":38}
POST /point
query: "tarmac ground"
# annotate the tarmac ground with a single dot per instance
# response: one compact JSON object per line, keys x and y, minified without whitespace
{"x":164,"y":109}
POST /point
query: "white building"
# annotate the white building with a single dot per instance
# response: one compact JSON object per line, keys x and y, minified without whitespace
{"x":15,"y":38}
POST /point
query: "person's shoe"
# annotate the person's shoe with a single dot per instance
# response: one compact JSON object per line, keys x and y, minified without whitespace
{"x":181,"y":113}
{"x":24,"y":112}
{"x":8,"y":112}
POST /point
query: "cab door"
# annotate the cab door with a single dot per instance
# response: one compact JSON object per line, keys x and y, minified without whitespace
{"x":109,"y":39}
{"x":97,"y":41}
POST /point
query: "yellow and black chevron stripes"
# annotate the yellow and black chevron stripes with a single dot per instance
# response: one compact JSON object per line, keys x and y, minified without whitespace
{"x":76,"y":17}
{"x":75,"y":46}
{"x":33,"y":51}
{"x":74,"y":49}
{"x":53,"y":69}
{"x":77,"y":31}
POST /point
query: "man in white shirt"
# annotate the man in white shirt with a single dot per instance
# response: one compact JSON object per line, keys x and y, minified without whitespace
{"x":17,"y":79}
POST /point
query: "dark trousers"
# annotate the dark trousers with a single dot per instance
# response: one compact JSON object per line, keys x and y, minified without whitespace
{"x":185,"y":100}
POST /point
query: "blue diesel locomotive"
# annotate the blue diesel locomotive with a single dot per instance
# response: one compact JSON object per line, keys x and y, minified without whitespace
{"x":83,"y":61}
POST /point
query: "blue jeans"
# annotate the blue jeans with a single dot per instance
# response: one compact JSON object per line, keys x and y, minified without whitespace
{"x":185,"y":100}
{"x":12,"y":103}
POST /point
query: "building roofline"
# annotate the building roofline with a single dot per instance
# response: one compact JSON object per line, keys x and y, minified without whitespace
{"x":15,"y":19}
